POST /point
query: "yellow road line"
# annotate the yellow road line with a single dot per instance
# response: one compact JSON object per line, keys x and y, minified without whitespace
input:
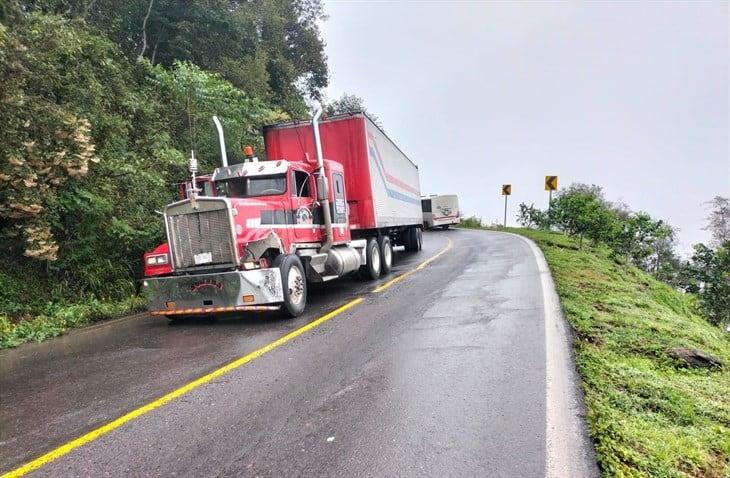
{"x":104,"y":429}
{"x":114,"y":424}
{"x":420,"y":266}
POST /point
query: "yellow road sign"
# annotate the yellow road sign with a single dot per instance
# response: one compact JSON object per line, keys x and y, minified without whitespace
{"x":506,"y":189}
{"x":551,"y":183}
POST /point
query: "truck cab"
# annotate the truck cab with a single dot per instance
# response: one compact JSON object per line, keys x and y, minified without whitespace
{"x":223,"y":245}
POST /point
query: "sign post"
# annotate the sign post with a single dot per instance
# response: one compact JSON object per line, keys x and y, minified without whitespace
{"x":551,"y":184}
{"x":506,"y":191}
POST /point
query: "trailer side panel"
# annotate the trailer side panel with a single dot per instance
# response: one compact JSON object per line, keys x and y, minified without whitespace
{"x":382,"y":184}
{"x":395,"y":184}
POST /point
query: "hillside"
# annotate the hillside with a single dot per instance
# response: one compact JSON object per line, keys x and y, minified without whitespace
{"x":100,"y":105}
{"x":648,"y":414}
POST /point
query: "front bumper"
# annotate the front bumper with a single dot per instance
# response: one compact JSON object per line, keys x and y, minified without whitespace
{"x":214,"y":293}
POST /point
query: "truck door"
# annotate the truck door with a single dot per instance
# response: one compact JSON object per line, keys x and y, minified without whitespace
{"x":340,"y":229}
{"x":302,"y":207}
{"x":339,"y":215}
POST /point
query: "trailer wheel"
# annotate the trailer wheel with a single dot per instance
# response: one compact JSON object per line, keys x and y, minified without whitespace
{"x":294,"y":284}
{"x":412,"y":239}
{"x":371,"y":269}
{"x":386,"y":254}
{"x":419,"y":239}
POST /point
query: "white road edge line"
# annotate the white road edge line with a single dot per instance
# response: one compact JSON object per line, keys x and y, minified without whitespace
{"x":568,"y":450}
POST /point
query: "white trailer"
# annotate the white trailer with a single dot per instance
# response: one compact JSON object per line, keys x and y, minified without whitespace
{"x":440,"y":211}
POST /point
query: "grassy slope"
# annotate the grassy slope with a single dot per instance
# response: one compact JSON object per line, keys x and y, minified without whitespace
{"x":34,"y":309}
{"x":648,"y":415}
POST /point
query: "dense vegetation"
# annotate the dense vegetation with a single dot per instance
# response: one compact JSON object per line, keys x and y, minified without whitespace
{"x":101,"y":102}
{"x":649,"y":414}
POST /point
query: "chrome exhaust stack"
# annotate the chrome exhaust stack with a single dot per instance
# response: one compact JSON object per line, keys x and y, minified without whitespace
{"x":221,"y":140}
{"x":322,"y":186}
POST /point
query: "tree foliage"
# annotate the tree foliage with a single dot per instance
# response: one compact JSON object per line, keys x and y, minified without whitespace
{"x":707,"y":274}
{"x":718,"y":222}
{"x":270,"y":49}
{"x":644,"y":241}
{"x":95,"y":135}
{"x":582,"y":211}
{"x":530,"y":217}
{"x":350,"y":104}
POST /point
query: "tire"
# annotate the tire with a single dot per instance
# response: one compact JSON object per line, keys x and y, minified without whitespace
{"x":419,"y":239}
{"x":411,"y":239}
{"x":371,"y":269}
{"x":386,"y":255}
{"x":293,"y":283}
{"x":445,"y":227}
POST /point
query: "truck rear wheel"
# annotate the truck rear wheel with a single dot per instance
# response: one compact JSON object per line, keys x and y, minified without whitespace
{"x":386,"y":254}
{"x":413,"y":239}
{"x":371,"y":269}
{"x":294,"y":284}
{"x":419,"y":239}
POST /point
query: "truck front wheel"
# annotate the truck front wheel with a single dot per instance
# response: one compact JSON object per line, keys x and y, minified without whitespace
{"x":294,"y":284}
{"x":371,"y":269}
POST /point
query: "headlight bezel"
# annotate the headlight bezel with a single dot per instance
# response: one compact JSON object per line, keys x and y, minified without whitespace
{"x":154,"y":260}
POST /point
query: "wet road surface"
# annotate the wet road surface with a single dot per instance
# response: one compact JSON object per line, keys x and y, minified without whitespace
{"x":441,"y":374}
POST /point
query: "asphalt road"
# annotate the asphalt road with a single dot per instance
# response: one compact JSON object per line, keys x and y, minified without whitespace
{"x":444,"y":373}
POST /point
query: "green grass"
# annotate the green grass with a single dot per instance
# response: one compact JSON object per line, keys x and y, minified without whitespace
{"x":56,"y":319}
{"x":648,"y":415}
{"x":35,"y":307}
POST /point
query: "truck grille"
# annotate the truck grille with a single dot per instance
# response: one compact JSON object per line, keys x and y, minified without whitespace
{"x":201,"y":239}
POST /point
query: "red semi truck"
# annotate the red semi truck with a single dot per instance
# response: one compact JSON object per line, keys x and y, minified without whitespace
{"x":261,"y":230}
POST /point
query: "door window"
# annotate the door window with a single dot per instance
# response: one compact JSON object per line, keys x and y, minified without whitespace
{"x":340,"y":206}
{"x":300,"y":182}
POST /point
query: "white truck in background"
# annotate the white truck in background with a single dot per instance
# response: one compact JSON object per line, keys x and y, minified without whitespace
{"x":440,"y":211}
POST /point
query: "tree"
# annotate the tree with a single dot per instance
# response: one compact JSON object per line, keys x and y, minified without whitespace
{"x":644,"y":241}
{"x":269,"y":48}
{"x":581,"y":211}
{"x":718,"y":222}
{"x":530,"y":216}
{"x":707,"y":274}
{"x":350,"y":104}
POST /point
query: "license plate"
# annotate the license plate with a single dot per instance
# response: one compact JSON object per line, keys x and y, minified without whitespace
{"x":203,"y":258}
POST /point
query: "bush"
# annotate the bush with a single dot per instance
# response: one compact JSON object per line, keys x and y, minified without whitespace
{"x":530,"y":216}
{"x":471,"y":222}
{"x":57,"y":319}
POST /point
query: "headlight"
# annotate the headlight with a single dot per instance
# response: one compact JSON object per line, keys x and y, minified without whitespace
{"x":157,"y":260}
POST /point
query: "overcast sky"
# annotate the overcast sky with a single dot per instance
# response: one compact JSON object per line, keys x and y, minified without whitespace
{"x":630,"y":96}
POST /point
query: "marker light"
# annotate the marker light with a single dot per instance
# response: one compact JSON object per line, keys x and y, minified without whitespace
{"x":248,"y":151}
{"x":157,"y":260}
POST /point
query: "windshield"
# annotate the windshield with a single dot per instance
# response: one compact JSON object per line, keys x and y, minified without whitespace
{"x":252,"y":186}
